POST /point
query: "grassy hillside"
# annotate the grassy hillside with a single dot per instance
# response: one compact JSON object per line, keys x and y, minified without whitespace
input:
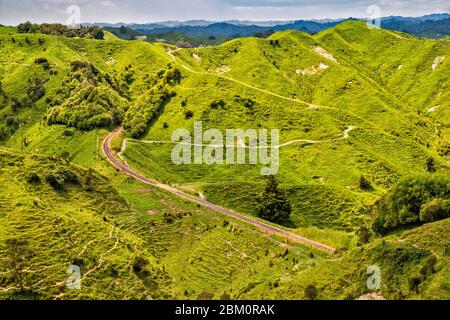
{"x":312,"y":88}
{"x":413,"y":264}
{"x":70,"y":216}
{"x":375,"y":101}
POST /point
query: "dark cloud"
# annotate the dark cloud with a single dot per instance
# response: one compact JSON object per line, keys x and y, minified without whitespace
{"x":15,"y":11}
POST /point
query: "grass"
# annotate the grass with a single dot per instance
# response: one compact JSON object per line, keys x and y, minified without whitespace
{"x":192,"y":251}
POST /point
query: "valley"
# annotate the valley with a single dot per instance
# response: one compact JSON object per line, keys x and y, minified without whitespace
{"x":86,"y":176}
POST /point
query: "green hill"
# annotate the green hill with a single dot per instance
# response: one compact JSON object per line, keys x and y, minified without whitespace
{"x":313,"y":91}
{"x":373,"y":105}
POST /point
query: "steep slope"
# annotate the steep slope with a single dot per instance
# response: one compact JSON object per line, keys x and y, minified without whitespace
{"x":312,"y":91}
{"x":39,"y":72}
{"x":66,"y":216}
{"x":412,"y":264}
{"x":341,"y":117}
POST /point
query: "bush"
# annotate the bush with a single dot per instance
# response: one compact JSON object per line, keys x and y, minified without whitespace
{"x":364,"y":183}
{"x":311,"y":292}
{"x":413,"y":200}
{"x":33,"y":178}
{"x":43,"y":62}
{"x":273,"y":204}
{"x":434,"y":210}
{"x":217,"y":104}
{"x":139,"y":268}
{"x":68,"y":176}
{"x":55,"y":181}
{"x":188,"y":114}
{"x":431,"y":165}
{"x":36,"y":90}
{"x":414,"y":283}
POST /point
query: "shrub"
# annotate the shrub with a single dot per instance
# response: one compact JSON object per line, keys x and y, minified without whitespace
{"x":33,"y":178}
{"x":311,"y":292}
{"x":435,"y":210}
{"x":273,"y":204}
{"x":55,"y":181}
{"x":217,"y":104}
{"x":68,"y":176}
{"x":364,"y":183}
{"x":414,"y":283}
{"x":188,"y":114}
{"x":36,"y":90}
{"x":431,"y":165}
{"x":413,"y":200}
{"x":43,"y":62}
{"x":139,"y":268}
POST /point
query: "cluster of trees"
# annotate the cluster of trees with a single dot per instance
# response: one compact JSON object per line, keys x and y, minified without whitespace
{"x":147,"y":109}
{"x":273,"y":204}
{"x":57,"y":29}
{"x":91,"y":99}
{"x":413,"y":200}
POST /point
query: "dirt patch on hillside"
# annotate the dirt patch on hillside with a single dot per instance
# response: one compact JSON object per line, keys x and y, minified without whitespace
{"x":433,"y":109}
{"x":313,"y":70}
{"x":196,"y":57}
{"x":222,"y":70}
{"x":325,"y":54}
{"x":372,"y":296}
{"x":110,"y":61}
{"x":437,"y":61}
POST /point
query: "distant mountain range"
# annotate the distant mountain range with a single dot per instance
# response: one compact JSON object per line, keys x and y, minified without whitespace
{"x":429,"y":26}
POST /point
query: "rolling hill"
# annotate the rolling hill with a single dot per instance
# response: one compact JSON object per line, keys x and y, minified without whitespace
{"x":350,"y":102}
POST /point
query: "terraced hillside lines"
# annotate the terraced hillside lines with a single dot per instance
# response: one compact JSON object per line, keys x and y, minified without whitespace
{"x":174,"y":59}
{"x":73,"y":225}
{"x":272,"y":230}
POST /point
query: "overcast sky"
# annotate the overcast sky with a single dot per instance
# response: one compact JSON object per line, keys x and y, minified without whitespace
{"x":13,"y":12}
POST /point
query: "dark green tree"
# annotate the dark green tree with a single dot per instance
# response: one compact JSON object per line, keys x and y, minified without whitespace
{"x":431,"y":165}
{"x":311,"y":292}
{"x":273,"y":203}
{"x":364,"y":183}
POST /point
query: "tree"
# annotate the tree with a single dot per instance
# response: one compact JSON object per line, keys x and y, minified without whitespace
{"x":413,"y":200}
{"x":434,"y":210}
{"x":188,"y":114}
{"x":26,"y":27}
{"x":364,"y":183}
{"x":16,"y":251}
{"x":273,"y":203}
{"x":431,"y":165}
{"x":363,"y":235}
{"x":311,"y":292}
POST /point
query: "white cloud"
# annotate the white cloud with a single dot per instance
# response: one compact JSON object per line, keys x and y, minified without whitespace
{"x":141,"y":11}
